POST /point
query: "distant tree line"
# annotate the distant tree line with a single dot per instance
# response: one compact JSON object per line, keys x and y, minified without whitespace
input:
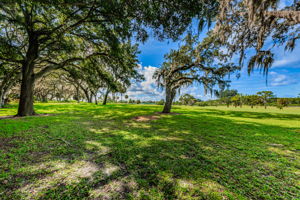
{"x":235,"y":99}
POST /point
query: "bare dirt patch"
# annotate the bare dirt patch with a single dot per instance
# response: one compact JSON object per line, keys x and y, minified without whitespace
{"x":155,"y":116}
{"x":145,"y":118}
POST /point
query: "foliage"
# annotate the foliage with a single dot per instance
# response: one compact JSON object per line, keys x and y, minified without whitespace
{"x":226,"y":95}
{"x":282,"y":102}
{"x":42,"y":36}
{"x":265,"y":97}
{"x":109,"y":75}
{"x":237,"y":100}
{"x":252,"y":100}
{"x":9,"y":77}
{"x":55,"y":87}
{"x":194,"y":61}
{"x":187,"y":99}
{"x":161,"y":102}
{"x":247,"y":24}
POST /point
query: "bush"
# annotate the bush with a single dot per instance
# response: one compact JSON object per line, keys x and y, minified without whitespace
{"x":282,"y":102}
{"x":203,"y":103}
{"x":161,"y":102}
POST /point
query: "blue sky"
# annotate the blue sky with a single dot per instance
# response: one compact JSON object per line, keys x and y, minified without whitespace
{"x":283,"y":78}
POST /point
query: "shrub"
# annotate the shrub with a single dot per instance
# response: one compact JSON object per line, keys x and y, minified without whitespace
{"x":282,"y":102}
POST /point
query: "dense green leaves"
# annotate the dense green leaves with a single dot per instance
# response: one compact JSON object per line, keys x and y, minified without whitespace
{"x":47,"y":35}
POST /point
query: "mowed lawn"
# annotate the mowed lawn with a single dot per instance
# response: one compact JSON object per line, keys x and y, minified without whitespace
{"x":86,"y":151}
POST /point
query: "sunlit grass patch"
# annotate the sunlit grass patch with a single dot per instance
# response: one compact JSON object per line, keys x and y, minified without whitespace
{"x":87,"y":151}
{"x":63,"y":173}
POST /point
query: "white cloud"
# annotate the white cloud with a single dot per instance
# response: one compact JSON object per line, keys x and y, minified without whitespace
{"x":281,"y":79}
{"x":147,"y":89}
{"x":287,"y":59}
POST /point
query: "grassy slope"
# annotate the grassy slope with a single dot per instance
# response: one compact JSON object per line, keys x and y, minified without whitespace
{"x":89,"y":151}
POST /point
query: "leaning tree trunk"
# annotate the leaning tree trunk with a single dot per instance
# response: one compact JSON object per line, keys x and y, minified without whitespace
{"x":87,"y":95}
{"x":170,"y":94}
{"x":105,"y":97}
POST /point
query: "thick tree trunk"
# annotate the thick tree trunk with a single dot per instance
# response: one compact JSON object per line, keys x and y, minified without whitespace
{"x":169,"y":99}
{"x":105,"y":97}
{"x":27,"y":84}
{"x":26,"y":96}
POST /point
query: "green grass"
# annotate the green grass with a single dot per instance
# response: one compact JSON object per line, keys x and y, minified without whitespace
{"x":84,"y":151}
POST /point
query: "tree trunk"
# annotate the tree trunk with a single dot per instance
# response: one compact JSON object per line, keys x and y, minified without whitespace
{"x":27,"y":84}
{"x":105,"y":97}
{"x":96,"y":101}
{"x":5,"y":87}
{"x":87,"y":95}
{"x":26,"y":96}
{"x":169,"y":99}
{"x":1,"y":98}
{"x":44,"y":98}
{"x":91,"y":98}
{"x":77,"y":94}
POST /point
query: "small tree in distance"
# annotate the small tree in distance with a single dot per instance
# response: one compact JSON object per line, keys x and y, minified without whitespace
{"x":126,"y":97}
{"x":187,"y":99}
{"x":252,"y":100}
{"x":226,"y":95}
{"x":282,"y":102}
{"x":265,"y":97}
{"x":160,"y":102}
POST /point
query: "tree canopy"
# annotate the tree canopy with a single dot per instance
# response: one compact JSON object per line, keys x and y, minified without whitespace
{"x":248,"y":24}
{"x":194,"y":61}
{"x":42,"y":36}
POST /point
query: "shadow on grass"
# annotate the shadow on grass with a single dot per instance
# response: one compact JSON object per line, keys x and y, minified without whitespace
{"x":195,"y":156}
